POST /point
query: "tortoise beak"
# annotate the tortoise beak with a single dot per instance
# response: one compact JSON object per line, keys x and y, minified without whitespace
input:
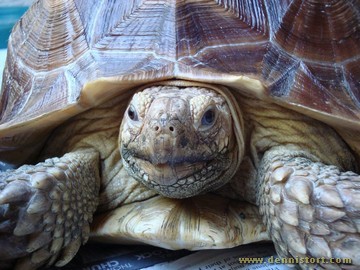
{"x":169,"y":174}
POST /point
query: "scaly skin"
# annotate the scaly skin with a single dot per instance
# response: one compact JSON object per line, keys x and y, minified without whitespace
{"x":181,"y":142}
{"x":46,"y":209}
{"x":300,"y":173}
{"x":88,"y":176}
{"x":311,"y":209}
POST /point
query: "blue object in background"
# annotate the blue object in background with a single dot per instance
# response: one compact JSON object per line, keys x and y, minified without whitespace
{"x":8,"y":17}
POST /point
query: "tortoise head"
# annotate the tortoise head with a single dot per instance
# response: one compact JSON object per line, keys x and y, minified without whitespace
{"x":179,"y":141}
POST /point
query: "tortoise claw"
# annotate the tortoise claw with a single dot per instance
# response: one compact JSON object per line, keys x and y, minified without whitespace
{"x":312,"y":212}
{"x":15,"y":191}
{"x":43,"y":208}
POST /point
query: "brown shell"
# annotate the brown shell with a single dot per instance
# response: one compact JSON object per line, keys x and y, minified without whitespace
{"x":67,"y":56}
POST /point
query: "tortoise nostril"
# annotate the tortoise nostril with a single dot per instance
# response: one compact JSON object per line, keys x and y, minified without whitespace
{"x":164,"y":129}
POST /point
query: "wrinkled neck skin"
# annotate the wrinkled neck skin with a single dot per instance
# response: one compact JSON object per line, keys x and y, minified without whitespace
{"x":179,"y":141}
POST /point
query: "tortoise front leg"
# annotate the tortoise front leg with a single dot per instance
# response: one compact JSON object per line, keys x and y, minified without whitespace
{"x":45,"y":209}
{"x":310,"y":209}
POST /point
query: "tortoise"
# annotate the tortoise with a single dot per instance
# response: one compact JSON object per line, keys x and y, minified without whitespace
{"x":182,"y":124}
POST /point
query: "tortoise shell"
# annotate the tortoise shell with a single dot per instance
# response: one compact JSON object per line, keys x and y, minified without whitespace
{"x":67,"y":56}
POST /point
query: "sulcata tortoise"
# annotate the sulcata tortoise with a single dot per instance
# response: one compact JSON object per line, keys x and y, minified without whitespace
{"x":182,"y":124}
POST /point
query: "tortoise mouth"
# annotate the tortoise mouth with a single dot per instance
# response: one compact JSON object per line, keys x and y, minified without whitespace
{"x":177,"y":180}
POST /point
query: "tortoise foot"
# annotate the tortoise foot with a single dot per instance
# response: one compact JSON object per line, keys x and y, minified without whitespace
{"x":312,"y":212}
{"x":45,"y":210}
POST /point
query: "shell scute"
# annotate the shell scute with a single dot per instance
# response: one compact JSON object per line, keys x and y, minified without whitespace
{"x":320,"y":31}
{"x":302,"y":54}
{"x":220,"y":37}
{"x":352,"y":75}
{"x":50,"y":36}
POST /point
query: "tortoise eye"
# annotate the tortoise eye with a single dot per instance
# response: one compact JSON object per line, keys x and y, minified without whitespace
{"x":209,"y":117}
{"x":132,"y":113}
